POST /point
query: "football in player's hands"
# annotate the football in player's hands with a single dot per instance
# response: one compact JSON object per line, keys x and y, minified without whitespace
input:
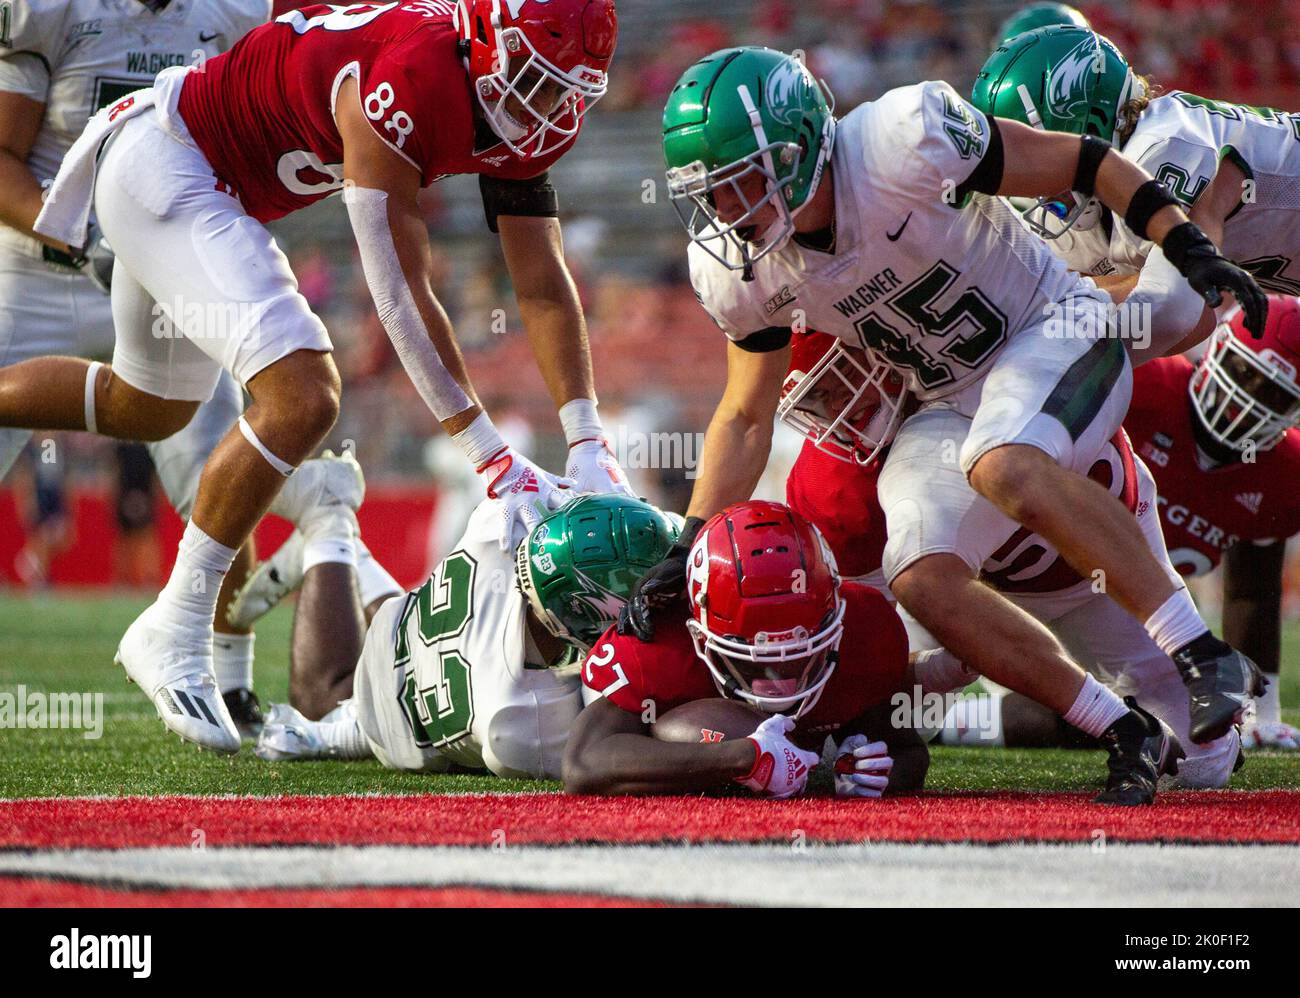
{"x":713,"y":720}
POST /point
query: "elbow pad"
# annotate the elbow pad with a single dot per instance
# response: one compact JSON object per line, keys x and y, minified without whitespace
{"x":395,"y":305}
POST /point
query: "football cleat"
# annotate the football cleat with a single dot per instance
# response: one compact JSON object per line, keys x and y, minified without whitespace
{"x":1142,"y":749}
{"x":1270,"y":735}
{"x":245,"y":711}
{"x":173,"y":666}
{"x":287,"y":736}
{"x":1221,"y":682}
{"x":271,"y":581}
{"x":331,"y":482}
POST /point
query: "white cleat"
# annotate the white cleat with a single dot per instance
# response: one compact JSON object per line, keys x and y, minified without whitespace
{"x":1277,"y":735}
{"x":287,"y":736}
{"x":271,"y":581}
{"x":329,"y":482}
{"x":173,"y":666}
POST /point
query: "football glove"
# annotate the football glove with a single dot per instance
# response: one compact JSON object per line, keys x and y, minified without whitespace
{"x":525,"y":491}
{"x":1270,"y":735}
{"x":661,"y":586}
{"x":593,"y":467}
{"x":1197,"y":259}
{"x":862,"y":767}
{"x":781,"y":767}
{"x":96,"y":260}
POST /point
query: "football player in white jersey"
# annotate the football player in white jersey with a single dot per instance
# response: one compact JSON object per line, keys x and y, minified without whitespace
{"x":60,"y":62}
{"x":883,"y":230}
{"x":1235,"y":168}
{"x":478,"y":667}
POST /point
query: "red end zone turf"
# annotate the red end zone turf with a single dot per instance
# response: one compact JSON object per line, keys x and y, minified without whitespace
{"x":553,"y":819}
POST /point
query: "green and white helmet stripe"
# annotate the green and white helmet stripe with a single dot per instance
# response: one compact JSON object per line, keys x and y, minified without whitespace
{"x":737,"y":113}
{"x":578,"y":565}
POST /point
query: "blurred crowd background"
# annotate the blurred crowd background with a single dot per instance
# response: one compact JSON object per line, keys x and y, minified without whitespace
{"x":659,"y":359}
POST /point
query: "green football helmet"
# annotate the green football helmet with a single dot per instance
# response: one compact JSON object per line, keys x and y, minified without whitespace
{"x":1039,"y":15}
{"x":578,"y":565}
{"x":734,"y":114}
{"x":1062,"y":78}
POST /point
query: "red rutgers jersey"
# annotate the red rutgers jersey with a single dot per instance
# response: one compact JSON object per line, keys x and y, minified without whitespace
{"x":1202,"y":512}
{"x":839,"y":498}
{"x":872,"y":666}
{"x":262,"y":113}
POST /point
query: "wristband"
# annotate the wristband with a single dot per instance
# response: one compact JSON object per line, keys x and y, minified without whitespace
{"x":479,"y":441}
{"x":1146,"y":201}
{"x":580,"y":421}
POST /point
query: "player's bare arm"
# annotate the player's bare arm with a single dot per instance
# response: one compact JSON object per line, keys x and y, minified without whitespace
{"x":20,"y":192}
{"x":548,"y":305}
{"x":1037,"y":163}
{"x":610,"y":751}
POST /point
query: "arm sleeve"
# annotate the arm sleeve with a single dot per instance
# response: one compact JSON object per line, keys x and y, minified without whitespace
{"x":27,"y":51}
{"x":395,"y":305}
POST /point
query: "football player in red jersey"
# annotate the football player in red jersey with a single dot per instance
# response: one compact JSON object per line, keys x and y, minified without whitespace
{"x":772,"y":625}
{"x":376,"y":100}
{"x":832,"y":387}
{"x":1220,"y":437}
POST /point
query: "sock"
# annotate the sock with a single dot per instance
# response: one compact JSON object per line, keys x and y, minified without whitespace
{"x":1095,"y":708}
{"x":1268,"y":708}
{"x":1176,"y":623}
{"x":342,"y":734}
{"x":191,"y":591}
{"x":973,"y":721}
{"x":232,"y":661}
{"x":373,"y":580}
{"x":330,"y":538}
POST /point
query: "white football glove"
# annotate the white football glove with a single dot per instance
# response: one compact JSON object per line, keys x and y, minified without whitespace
{"x":1270,"y":735}
{"x":594,"y":468}
{"x":525,"y":491}
{"x":862,"y":767}
{"x":781,"y":767}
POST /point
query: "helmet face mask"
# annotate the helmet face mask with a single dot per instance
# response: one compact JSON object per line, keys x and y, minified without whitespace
{"x":766,"y":612}
{"x":532,"y":97}
{"x":846,"y":403}
{"x":1244,"y":400}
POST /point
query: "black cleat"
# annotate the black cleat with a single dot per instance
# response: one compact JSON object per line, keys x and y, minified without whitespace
{"x":1142,"y":750}
{"x":1220,"y":681}
{"x":245,"y":711}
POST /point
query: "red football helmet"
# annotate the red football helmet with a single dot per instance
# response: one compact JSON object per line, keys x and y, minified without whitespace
{"x":537,"y":65}
{"x":766,"y":610}
{"x":1246,"y":391}
{"x":843,"y":400}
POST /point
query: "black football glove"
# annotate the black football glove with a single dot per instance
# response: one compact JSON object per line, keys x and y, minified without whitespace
{"x":96,"y":260}
{"x":1190,"y":250}
{"x":660,"y":587}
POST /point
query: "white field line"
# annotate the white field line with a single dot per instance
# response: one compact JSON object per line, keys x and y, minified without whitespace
{"x":876,"y":875}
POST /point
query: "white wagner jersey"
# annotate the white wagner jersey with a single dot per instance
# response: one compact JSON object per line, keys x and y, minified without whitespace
{"x":1180,"y":140}
{"x":77,"y":56}
{"x":932,"y":287}
{"x":448,"y":675}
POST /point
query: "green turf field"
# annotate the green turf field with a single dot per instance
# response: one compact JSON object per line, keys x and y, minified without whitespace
{"x":59,"y":644}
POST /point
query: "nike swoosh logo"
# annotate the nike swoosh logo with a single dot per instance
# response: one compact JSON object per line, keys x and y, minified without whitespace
{"x":893,"y":236}
{"x":204,"y":39}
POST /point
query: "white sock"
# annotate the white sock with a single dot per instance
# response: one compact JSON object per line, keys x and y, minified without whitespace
{"x":232,"y":661}
{"x":1095,"y":709}
{"x":373,"y":580}
{"x":341,"y":732}
{"x":1268,"y":708}
{"x":191,"y":591}
{"x":974,"y":721}
{"x":1176,"y":622}
{"x":330,"y":538}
